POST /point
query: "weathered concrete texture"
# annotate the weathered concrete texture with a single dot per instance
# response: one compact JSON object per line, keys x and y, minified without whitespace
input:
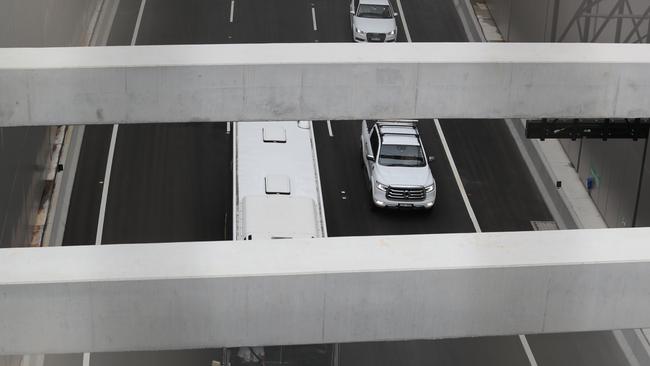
{"x":323,"y":81}
{"x":554,"y":21}
{"x":24,"y":152}
{"x":193,"y":295}
{"x":615,"y":167}
{"x":10,"y":360}
{"x":45,"y":23}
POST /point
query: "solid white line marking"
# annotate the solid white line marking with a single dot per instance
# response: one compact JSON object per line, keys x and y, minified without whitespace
{"x":313,"y":17}
{"x":643,"y":340}
{"x":86,"y":359}
{"x":461,"y":187}
{"x":401,"y":15}
{"x":443,"y":140}
{"x":329,"y":128}
{"x":529,"y":352}
{"x":321,"y":208}
{"x":107,"y":180}
{"x":459,"y":182}
{"x":235,"y":188}
{"x":111,"y":149}
{"x":137,"y":22}
{"x":232,"y":10}
{"x":625,"y":347}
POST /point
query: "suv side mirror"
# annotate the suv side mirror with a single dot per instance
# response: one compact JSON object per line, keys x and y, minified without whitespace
{"x":370,"y":157}
{"x":352,"y":12}
{"x":431,"y":158}
{"x":395,"y":14}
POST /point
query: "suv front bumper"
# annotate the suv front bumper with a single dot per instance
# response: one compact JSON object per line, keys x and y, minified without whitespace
{"x":379,"y":199}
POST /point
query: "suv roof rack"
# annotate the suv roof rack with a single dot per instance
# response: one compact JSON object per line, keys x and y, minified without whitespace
{"x":403,"y":127}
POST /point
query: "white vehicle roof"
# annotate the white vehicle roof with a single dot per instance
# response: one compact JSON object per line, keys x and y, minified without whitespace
{"x":278,"y":217}
{"x":275,"y":158}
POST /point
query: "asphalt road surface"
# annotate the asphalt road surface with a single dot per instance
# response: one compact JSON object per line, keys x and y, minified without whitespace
{"x":172,"y":183}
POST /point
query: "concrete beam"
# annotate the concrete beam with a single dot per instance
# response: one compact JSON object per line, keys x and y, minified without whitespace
{"x":322,"y":81}
{"x":193,"y":295}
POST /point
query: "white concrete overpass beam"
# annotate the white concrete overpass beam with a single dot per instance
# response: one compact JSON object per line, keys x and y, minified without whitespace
{"x":193,"y":295}
{"x":322,"y":81}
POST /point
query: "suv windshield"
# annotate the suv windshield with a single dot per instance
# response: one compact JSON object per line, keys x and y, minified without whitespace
{"x":374,"y":11}
{"x":401,"y":155}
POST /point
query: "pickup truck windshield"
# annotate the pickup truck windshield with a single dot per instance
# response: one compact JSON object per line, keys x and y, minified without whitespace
{"x":374,"y":11}
{"x":401,"y":155}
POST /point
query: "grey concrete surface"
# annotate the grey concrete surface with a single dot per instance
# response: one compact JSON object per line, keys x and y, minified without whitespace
{"x":194,"y":357}
{"x":165,"y":296}
{"x":555,"y":21}
{"x":615,"y":167}
{"x":24,"y":152}
{"x":10,"y":360}
{"x":324,"y":81}
{"x":46,"y":23}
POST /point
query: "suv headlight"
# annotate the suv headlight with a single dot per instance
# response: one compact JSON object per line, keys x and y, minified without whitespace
{"x":381,"y":187}
{"x":392,"y":33}
{"x":357,"y":30}
{"x":430,"y":188}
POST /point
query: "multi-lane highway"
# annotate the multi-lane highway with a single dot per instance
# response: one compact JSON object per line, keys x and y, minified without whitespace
{"x":173,"y":182}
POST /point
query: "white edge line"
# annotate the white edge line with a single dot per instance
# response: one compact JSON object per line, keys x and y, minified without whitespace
{"x":64,"y":186}
{"x":137,"y":23}
{"x":111,"y":149}
{"x":100,"y":38}
{"x":459,"y":182}
{"x":401,"y":15}
{"x":625,"y":347}
{"x":107,"y":181}
{"x":321,"y":204}
{"x":86,"y":359}
{"x":235,"y":191}
{"x":643,"y":340}
{"x":94,"y":21}
{"x":529,"y":352}
{"x":313,"y":17}
{"x":232,"y":10}
{"x":329,"y":128}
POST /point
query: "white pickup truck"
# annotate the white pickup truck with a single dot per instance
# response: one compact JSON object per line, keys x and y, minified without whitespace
{"x":396,"y":165}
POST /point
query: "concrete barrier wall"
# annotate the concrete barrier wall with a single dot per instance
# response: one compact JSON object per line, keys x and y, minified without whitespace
{"x":24,"y":154}
{"x":24,"y":151}
{"x":194,"y":295}
{"x":46,"y":23}
{"x":324,"y":81}
{"x":554,"y":20}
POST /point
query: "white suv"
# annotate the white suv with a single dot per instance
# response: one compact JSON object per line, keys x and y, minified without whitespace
{"x":373,"y":21}
{"x":396,"y":165}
